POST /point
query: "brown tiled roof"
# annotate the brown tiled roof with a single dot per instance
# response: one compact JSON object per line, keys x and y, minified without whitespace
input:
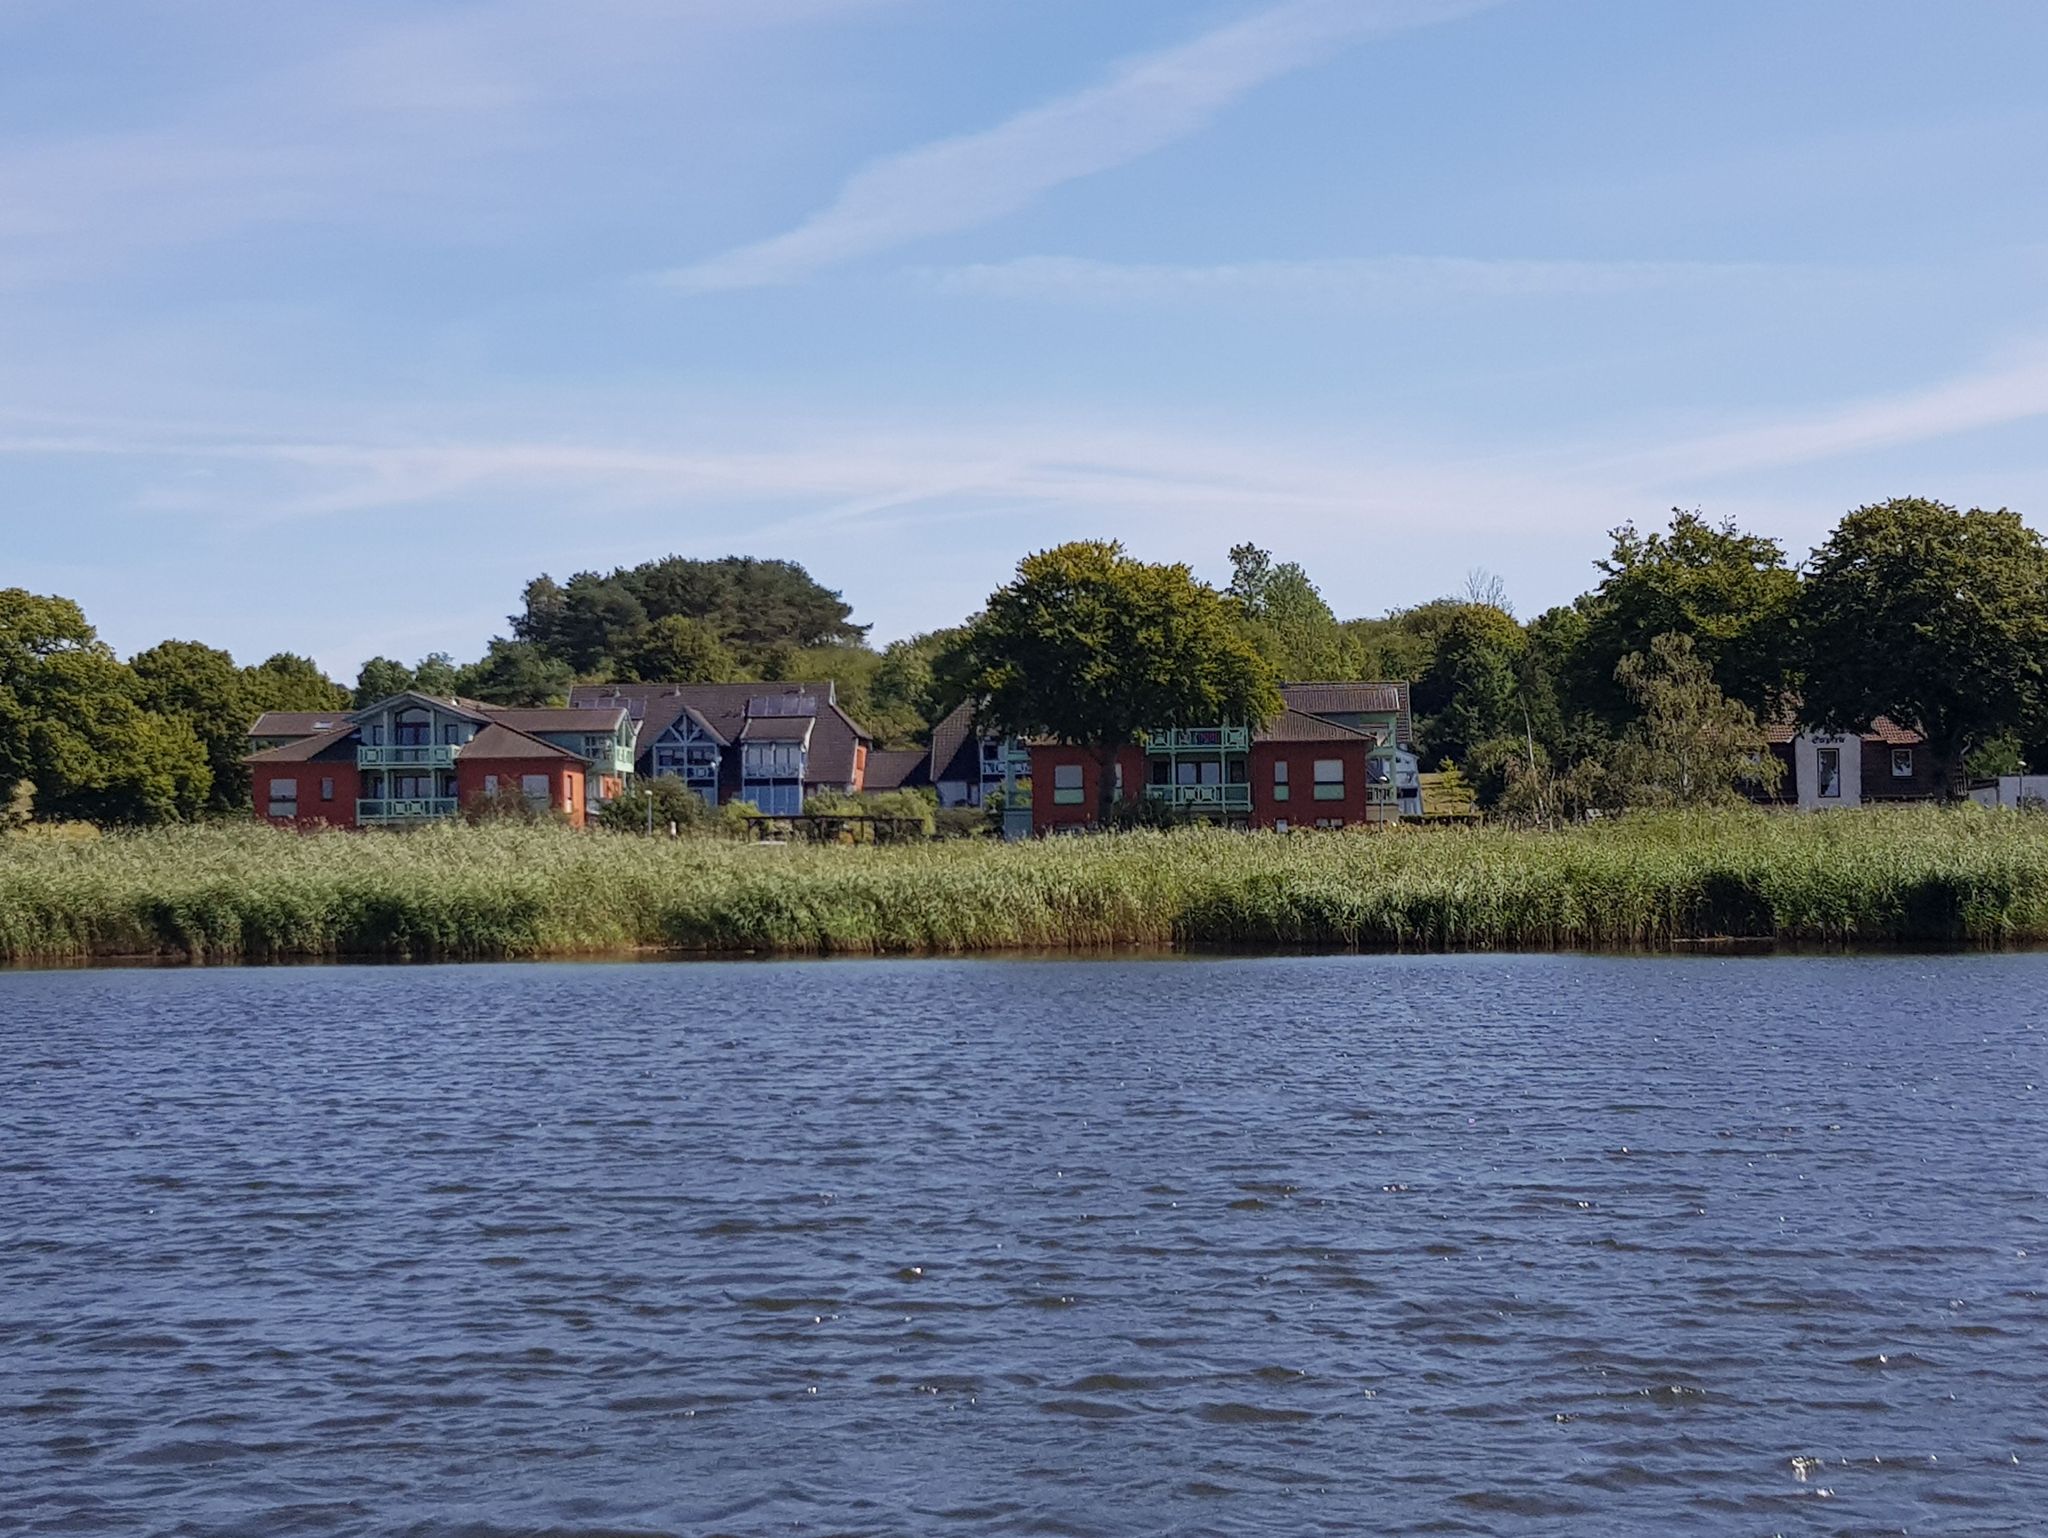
{"x":297,"y":723}
{"x":500,"y":741}
{"x":556,"y":718}
{"x":1884,"y":729}
{"x":334,"y":745}
{"x":722,"y":710}
{"x":1300,"y":726}
{"x":894,"y":768}
{"x":1339,"y":698}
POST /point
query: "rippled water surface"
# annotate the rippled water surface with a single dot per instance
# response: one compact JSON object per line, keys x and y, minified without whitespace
{"x":1303,"y":1245}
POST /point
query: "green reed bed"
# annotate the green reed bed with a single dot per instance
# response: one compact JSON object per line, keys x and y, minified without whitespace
{"x":247,"y":892}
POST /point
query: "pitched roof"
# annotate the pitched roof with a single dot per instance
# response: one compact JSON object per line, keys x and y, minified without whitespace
{"x":894,"y":768}
{"x":1883,"y":729}
{"x":955,"y":753}
{"x":723,"y":710}
{"x":557,"y":718}
{"x":297,"y":723}
{"x":1387,"y":697}
{"x":778,"y":729}
{"x":500,"y":741}
{"x":1300,"y":726}
{"x":337,"y":744}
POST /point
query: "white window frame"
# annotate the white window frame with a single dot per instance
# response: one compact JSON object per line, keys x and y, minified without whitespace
{"x":1067,"y":786}
{"x":535,"y":788}
{"x":1826,"y":787}
{"x":284,"y":798}
{"x":1281,"y":789}
{"x":1902,"y":763}
{"x":1329,"y":779}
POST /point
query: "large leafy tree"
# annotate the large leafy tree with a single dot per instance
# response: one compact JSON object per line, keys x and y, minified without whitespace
{"x":290,"y":682}
{"x":515,"y":673}
{"x":1690,"y":745}
{"x":678,"y":650}
{"x":1287,"y":618}
{"x":379,"y":679}
{"x":1092,"y":647}
{"x":1934,"y":617}
{"x":1472,"y":690}
{"x":201,"y":686}
{"x":73,"y":725}
{"x":1731,"y":592}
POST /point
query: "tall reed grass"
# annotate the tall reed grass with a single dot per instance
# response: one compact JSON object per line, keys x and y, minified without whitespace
{"x":1911,"y":876}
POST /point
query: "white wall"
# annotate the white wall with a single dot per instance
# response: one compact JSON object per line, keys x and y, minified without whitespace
{"x":2013,"y":790}
{"x":1806,"y":769}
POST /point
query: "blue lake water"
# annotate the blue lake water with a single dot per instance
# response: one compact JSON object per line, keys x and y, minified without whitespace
{"x":1495,"y":1245}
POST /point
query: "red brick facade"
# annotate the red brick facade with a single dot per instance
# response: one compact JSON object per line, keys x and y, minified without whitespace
{"x":1296,"y":805}
{"x":322,"y":792}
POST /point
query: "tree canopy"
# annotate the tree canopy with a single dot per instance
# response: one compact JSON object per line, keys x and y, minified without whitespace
{"x":1935,"y":617}
{"x":1090,"y":647}
{"x":1730,"y":592}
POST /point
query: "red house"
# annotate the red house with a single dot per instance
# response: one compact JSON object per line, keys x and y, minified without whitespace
{"x":1298,"y":770}
{"x":416,"y":758}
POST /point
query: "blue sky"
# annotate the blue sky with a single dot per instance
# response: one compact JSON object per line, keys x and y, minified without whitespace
{"x":324,"y":327}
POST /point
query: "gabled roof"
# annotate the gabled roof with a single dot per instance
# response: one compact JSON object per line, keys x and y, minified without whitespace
{"x":336,"y":744}
{"x":894,"y":768}
{"x":297,"y":723}
{"x":956,"y":750}
{"x":1300,"y":726}
{"x":723,"y":711}
{"x":475,"y":710}
{"x":1338,"y":698}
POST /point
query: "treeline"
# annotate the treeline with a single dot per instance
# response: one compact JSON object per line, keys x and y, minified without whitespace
{"x":1653,"y":683}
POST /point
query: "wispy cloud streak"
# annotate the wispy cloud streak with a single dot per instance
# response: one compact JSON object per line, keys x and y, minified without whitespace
{"x":956,"y":184}
{"x":1362,"y":281}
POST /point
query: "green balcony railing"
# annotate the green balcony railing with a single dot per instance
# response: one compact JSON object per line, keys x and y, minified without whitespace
{"x":1197,"y":798}
{"x":426,"y":755}
{"x":1193,"y":739}
{"x":405,"y":809}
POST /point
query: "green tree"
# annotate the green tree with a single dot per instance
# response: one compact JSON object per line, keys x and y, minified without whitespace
{"x":1934,"y":617}
{"x":1288,"y":620}
{"x":651,"y":805}
{"x":202,"y":687}
{"x":436,"y":675}
{"x":379,"y":679}
{"x":678,"y":650}
{"x":33,"y":629}
{"x":290,"y":682}
{"x":1690,"y":745}
{"x":1472,"y":691}
{"x":1092,"y":647}
{"x":1731,"y":592}
{"x":515,"y":673}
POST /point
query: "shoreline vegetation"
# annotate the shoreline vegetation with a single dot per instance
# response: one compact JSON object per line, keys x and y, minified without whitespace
{"x":1908,"y":877}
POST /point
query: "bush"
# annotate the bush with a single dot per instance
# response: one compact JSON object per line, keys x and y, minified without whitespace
{"x":651,"y":805}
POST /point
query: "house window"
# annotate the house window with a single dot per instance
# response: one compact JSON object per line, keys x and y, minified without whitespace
{"x":1827,"y":765}
{"x":1330,"y":824}
{"x":326,"y":789}
{"x":1902,"y":763}
{"x":1066,"y":785}
{"x":451,"y":734}
{"x":1329,"y":780}
{"x":284,"y":798}
{"x":1280,"y":784}
{"x":1280,"y":823}
{"x":415,"y":729}
{"x":490,"y":784}
{"x":535,"y":788}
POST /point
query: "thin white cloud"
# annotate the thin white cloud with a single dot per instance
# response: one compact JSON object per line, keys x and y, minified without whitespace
{"x":1364,"y":281}
{"x":2000,"y":394}
{"x":956,"y":184}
